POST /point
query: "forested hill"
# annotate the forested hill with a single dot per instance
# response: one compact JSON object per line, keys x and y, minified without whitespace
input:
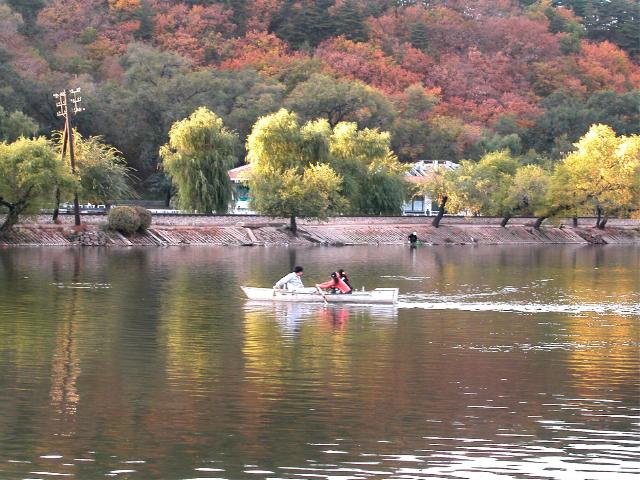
{"x":449,"y":79}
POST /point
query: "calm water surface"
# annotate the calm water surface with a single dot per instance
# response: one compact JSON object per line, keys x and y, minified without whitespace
{"x":499,"y":362}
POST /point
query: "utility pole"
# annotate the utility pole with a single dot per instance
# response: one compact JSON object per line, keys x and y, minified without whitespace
{"x":63,"y":111}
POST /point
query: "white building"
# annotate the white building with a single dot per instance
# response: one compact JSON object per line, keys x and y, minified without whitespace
{"x":239,"y":177}
{"x":419,"y":173}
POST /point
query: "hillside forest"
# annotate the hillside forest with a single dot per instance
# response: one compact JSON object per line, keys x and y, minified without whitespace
{"x":448,"y":79}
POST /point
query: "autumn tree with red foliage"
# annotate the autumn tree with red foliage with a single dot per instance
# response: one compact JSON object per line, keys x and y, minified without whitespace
{"x":367,"y":63}
{"x":196,"y":32}
{"x":261,"y":51}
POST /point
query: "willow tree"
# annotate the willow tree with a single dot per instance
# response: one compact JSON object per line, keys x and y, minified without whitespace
{"x":197,"y":159}
{"x":373,"y":178}
{"x":290,"y":176}
{"x":102,"y":170}
{"x":30,"y":171}
{"x":104,"y":174}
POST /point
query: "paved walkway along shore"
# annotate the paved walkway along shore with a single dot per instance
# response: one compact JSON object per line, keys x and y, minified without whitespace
{"x":255,"y":230}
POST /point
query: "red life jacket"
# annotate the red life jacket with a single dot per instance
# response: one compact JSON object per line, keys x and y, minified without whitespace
{"x":336,"y":283}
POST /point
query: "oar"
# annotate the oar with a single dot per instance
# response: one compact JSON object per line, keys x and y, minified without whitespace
{"x":322,"y":294}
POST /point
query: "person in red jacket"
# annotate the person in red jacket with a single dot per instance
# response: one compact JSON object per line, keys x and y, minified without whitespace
{"x":336,"y":284}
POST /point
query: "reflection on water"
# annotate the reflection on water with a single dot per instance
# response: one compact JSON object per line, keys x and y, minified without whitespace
{"x":498,"y":362}
{"x":291,"y":316}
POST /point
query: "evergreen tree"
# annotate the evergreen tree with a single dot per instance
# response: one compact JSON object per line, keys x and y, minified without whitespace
{"x":29,"y":10}
{"x":349,"y":21}
{"x":419,"y":36}
{"x":144,"y":14}
{"x":304,"y":24}
{"x":567,"y":116}
{"x":321,"y":24}
{"x":617,"y":21}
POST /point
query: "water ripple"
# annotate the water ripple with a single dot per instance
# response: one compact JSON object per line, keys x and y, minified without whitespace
{"x":438,"y":302}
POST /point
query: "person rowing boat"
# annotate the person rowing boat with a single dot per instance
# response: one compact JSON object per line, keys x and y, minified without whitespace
{"x":335,"y":284}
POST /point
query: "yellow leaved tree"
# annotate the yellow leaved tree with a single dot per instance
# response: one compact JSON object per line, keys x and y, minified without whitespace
{"x":603,"y":173}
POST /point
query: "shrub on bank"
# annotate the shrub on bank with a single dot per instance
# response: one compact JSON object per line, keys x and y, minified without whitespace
{"x":145,"y":218}
{"x":124,"y":219}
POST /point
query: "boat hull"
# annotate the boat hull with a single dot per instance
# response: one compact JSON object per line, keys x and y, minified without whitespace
{"x":377,"y":296}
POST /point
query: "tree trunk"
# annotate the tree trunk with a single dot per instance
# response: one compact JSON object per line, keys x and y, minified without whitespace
{"x":436,"y":221}
{"x":56,"y":210}
{"x":294,"y":225}
{"x":539,"y":221}
{"x":603,"y":222}
{"x":167,"y":198}
{"x":575,"y":221}
{"x":505,"y":220}
{"x":76,"y":208}
{"x":12,"y":216}
{"x":599,"y":216}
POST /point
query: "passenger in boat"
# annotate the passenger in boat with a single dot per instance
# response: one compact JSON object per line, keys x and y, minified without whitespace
{"x":335,"y":284}
{"x":345,"y":278}
{"x":291,"y":281}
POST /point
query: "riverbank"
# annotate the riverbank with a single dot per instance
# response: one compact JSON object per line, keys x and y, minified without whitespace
{"x":173,"y":230}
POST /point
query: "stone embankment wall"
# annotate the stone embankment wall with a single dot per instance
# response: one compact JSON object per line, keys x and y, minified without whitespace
{"x":168,"y":230}
{"x":211,"y":220}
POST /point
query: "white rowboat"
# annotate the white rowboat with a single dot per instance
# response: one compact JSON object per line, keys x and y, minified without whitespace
{"x":378,"y":295}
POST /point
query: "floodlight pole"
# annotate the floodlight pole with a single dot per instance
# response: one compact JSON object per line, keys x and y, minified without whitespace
{"x":63,"y":111}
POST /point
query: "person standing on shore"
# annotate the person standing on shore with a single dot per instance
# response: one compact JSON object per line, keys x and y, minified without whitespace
{"x":413,"y":239}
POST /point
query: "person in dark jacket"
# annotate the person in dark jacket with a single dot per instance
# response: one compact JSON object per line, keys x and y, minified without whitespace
{"x":345,"y":278}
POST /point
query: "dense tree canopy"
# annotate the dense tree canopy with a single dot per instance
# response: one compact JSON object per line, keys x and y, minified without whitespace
{"x":444,"y":77}
{"x":601,"y":175}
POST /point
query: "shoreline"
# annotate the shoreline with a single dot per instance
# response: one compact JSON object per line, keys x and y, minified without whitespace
{"x":231,"y":230}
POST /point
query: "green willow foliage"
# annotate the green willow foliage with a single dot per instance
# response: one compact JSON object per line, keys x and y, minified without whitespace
{"x":30,"y":171}
{"x":103,"y":171}
{"x":290,"y":176}
{"x":197,"y":158}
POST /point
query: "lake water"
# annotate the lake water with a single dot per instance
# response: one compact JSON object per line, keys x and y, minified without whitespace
{"x":498,"y":363}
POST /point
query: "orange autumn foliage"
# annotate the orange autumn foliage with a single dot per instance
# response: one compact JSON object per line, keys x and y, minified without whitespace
{"x":261,"y":51}
{"x":195,"y":32}
{"x":367,"y":63}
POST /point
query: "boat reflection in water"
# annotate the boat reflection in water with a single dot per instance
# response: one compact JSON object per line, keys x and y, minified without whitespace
{"x":291,"y":316}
